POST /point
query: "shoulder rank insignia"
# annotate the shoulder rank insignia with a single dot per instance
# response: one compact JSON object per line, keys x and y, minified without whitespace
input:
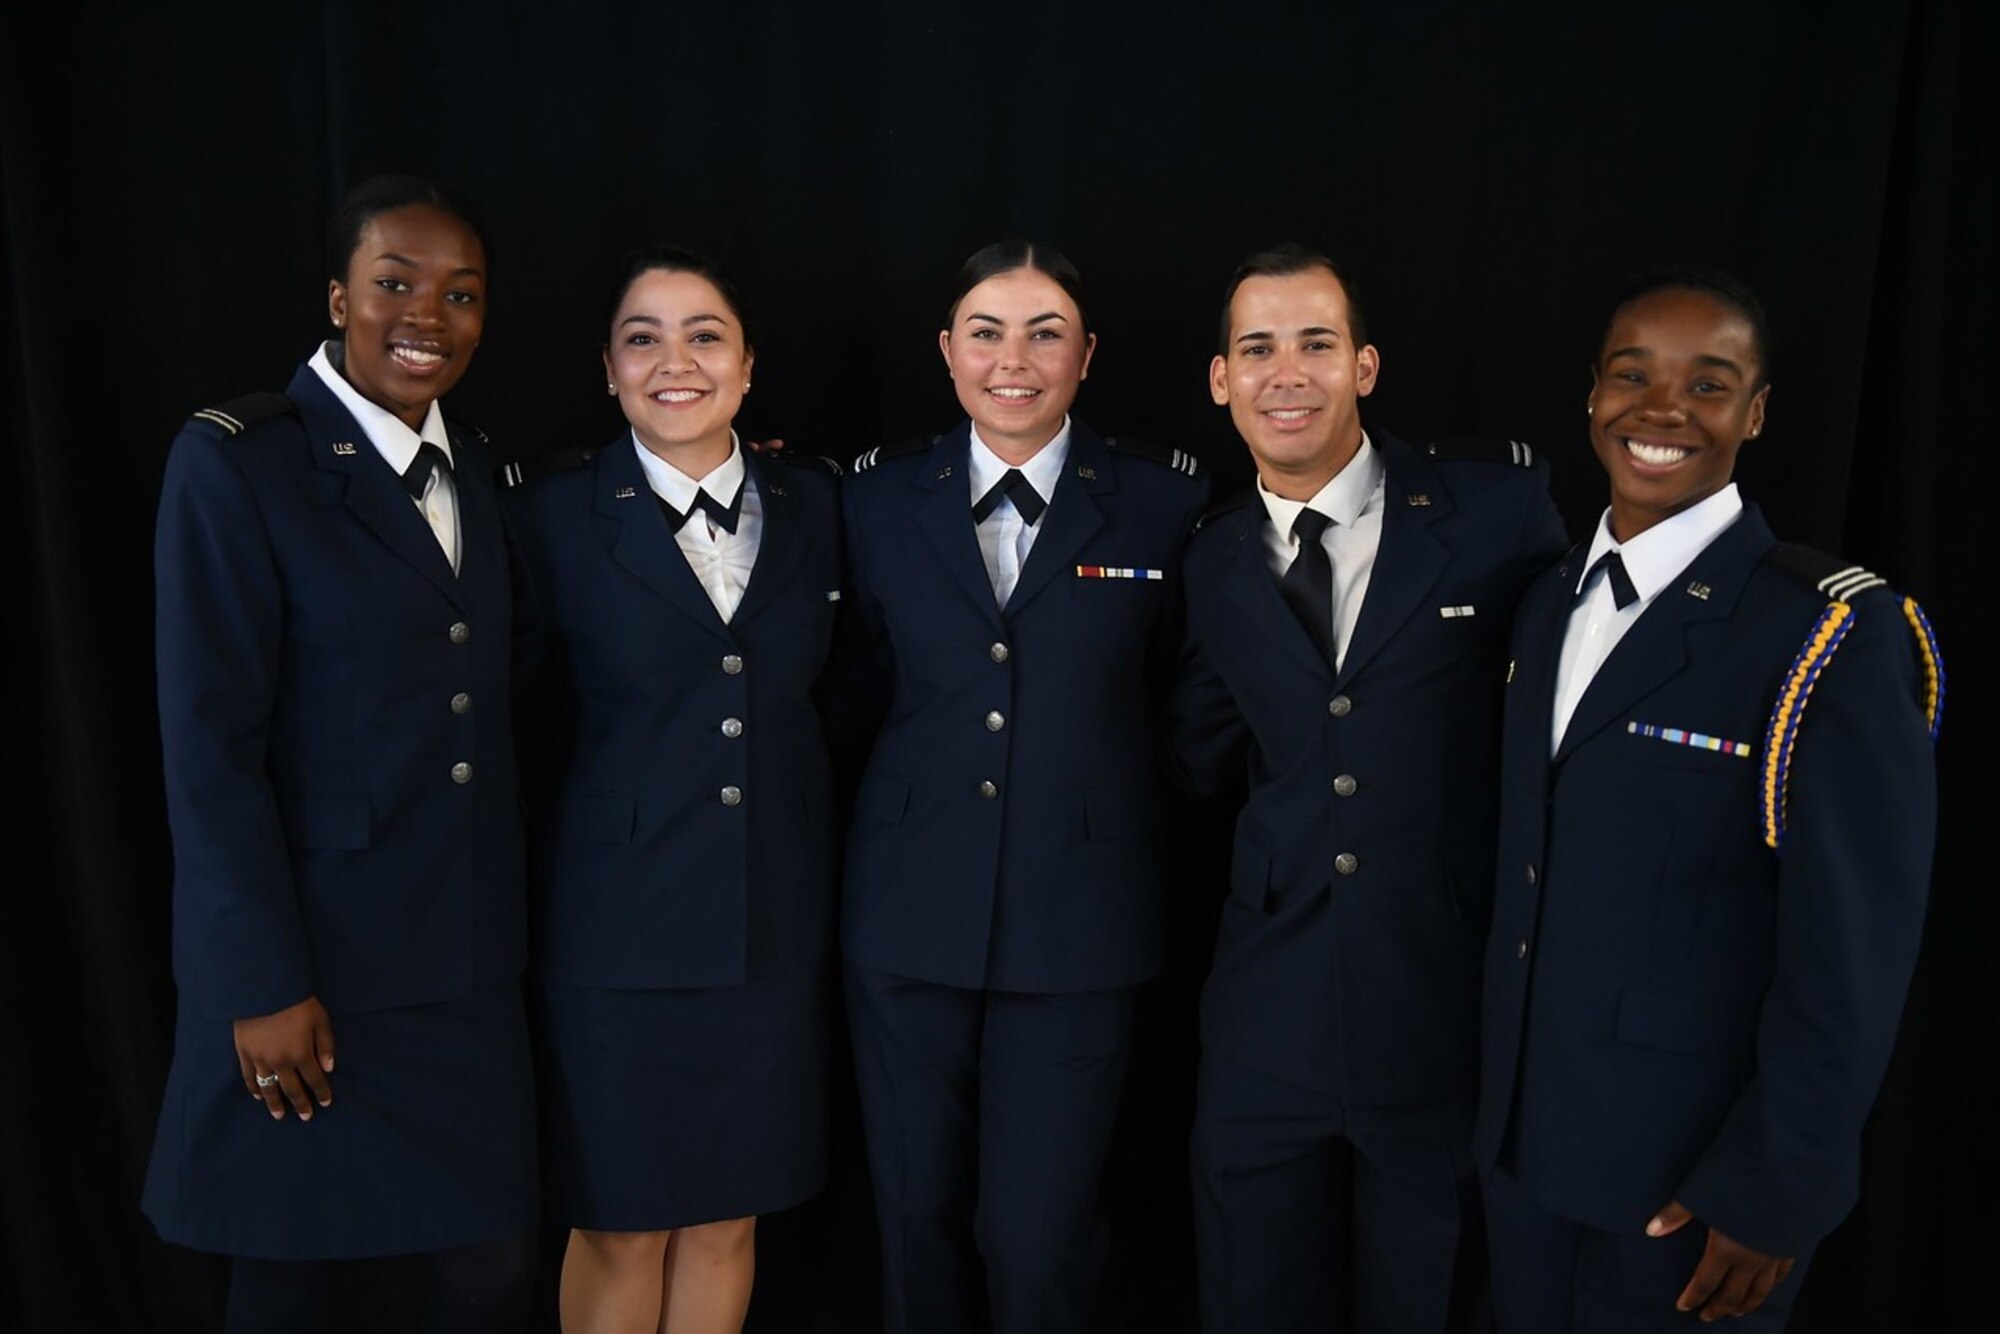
{"x":1841,"y":583}
{"x":914,"y":445}
{"x":1482,"y":449}
{"x":458,"y":426}
{"x":522,"y":471}
{"x":800,"y":459}
{"x":1178,"y":459}
{"x":240,"y":414}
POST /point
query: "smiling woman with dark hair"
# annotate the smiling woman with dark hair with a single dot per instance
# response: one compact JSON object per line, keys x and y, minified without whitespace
{"x":335,"y":606}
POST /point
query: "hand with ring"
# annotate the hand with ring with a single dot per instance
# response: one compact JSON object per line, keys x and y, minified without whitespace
{"x":285,"y":1058}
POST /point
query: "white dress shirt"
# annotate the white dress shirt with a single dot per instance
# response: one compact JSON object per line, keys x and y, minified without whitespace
{"x":1653,"y":559}
{"x":1352,"y":498}
{"x":720,"y":559}
{"x":1004,"y":536}
{"x":398,"y":445}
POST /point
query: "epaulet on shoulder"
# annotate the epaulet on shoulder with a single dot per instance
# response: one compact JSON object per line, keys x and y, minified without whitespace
{"x":1481,"y":449}
{"x":1165,"y":455}
{"x":240,"y":414}
{"x":459,"y":426}
{"x":916,"y":444}
{"x":800,"y":459}
{"x":1229,"y":506}
{"x":1840,"y":583}
{"x":522,"y":471}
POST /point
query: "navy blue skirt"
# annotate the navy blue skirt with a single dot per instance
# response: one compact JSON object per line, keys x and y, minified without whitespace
{"x":429,"y":1143}
{"x":674,"y":1107}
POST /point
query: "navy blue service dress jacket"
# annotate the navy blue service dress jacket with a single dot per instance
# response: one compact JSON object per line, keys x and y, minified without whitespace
{"x":1709,"y":899}
{"x":340,"y":779}
{"x":1347,"y":958}
{"x":1007,"y":829}
{"x":684,"y":829}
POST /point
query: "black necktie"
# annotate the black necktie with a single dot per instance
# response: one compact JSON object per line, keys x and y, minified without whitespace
{"x":1613,"y":565}
{"x":1013,"y":486}
{"x":723,"y":516}
{"x":1308,"y":584}
{"x":418,"y":475}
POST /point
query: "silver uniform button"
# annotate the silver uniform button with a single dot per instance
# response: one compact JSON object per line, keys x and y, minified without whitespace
{"x":998,"y":653}
{"x":460,"y":632}
{"x":1346,"y":863}
{"x":461,"y":703}
{"x":732,"y":796}
{"x":1344,"y":785}
{"x":1340,"y":706}
{"x":461,"y":772}
{"x":989,"y":789}
{"x":1531,"y":874}
{"x":1521,"y":948}
{"x":732,"y":665}
{"x":732,"y":727}
{"x":995,"y":720}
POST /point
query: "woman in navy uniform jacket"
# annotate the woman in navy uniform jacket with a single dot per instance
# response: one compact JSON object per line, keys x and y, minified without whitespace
{"x":1718,"y":801}
{"x":1016,"y":578}
{"x":334,"y":656}
{"x":683,"y":853}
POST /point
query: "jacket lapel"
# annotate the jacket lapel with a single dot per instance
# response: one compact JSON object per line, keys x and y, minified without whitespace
{"x":1655,"y":648}
{"x":370,"y":488}
{"x":944,"y":516}
{"x":778,"y":549}
{"x":638,"y":538}
{"x":1073,"y":516}
{"x":1410,"y":557}
{"x":1253,"y":591}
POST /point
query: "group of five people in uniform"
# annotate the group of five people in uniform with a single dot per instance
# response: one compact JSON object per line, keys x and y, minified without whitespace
{"x":941,"y":683}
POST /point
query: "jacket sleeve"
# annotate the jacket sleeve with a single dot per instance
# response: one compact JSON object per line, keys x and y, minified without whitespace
{"x":240,"y":946}
{"x":1854,"y":872}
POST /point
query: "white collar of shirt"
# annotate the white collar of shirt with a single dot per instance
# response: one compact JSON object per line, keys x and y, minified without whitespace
{"x":1343,"y":499}
{"x":1043,"y":471}
{"x":677,"y":488}
{"x":391,"y":436}
{"x":1656,"y":556}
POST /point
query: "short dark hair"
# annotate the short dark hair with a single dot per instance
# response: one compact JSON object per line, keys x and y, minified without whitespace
{"x":383,"y":194}
{"x":1282,"y":261}
{"x":1727,"y":288}
{"x":664,"y":258}
{"x":1006,"y":256}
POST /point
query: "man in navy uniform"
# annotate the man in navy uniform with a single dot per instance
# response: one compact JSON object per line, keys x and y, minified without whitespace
{"x":1347,"y":629}
{"x":1718,"y":807}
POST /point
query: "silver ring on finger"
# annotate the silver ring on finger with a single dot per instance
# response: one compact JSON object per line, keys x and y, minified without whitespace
{"x":266,"y":1081}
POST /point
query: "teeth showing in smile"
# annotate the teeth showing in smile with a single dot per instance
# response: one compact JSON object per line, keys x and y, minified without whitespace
{"x":418,"y":357}
{"x":677,"y":396}
{"x":1013,"y":395}
{"x":1658,"y":456}
{"x":1289,"y":414}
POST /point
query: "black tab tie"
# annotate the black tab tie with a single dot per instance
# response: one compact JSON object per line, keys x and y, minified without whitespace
{"x":1613,"y":566}
{"x":723,"y":516}
{"x":1308,"y":583}
{"x":418,"y":475}
{"x":1013,"y":486}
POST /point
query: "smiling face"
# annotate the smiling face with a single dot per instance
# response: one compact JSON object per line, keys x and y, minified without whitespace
{"x":1676,"y":391}
{"x":680,"y":364}
{"x":411,"y":308}
{"x":1293,"y":379}
{"x":1017,"y":350}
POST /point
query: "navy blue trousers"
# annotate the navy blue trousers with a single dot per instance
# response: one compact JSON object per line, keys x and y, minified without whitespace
{"x":987,"y":1115}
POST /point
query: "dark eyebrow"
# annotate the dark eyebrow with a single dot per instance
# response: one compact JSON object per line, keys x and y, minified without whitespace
{"x":1723,"y":363}
{"x":391,"y":256}
{"x":1255,"y":335}
{"x":1042,"y":318}
{"x":653,"y":320}
{"x":697,"y":319}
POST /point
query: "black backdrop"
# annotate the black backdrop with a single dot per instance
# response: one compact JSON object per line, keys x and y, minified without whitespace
{"x":1486,"y":175}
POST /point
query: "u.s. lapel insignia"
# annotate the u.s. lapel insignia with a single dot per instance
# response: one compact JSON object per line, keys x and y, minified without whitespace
{"x":1698,"y":589}
{"x":944,"y":472}
{"x":1419,"y":499}
{"x":343,"y":447}
{"x":623,"y":493}
{"x":1087,"y":474}
{"x":777,"y":490}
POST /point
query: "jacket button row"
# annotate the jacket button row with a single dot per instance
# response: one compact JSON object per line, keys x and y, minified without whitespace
{"x":1340,"y":706}
{"x":732,"y":728}
{"x":459,"y":633}
{"x":461,"y":703}
{"x":998,"y":653}
{"x":461,"y":772}
{"x":995,"y":720}
{"x":1344,"y":785}
{"x":732,"y":796}
{"x":732,"y":665}
{"x":1347,"y":863}
{"x":989,"y":789}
